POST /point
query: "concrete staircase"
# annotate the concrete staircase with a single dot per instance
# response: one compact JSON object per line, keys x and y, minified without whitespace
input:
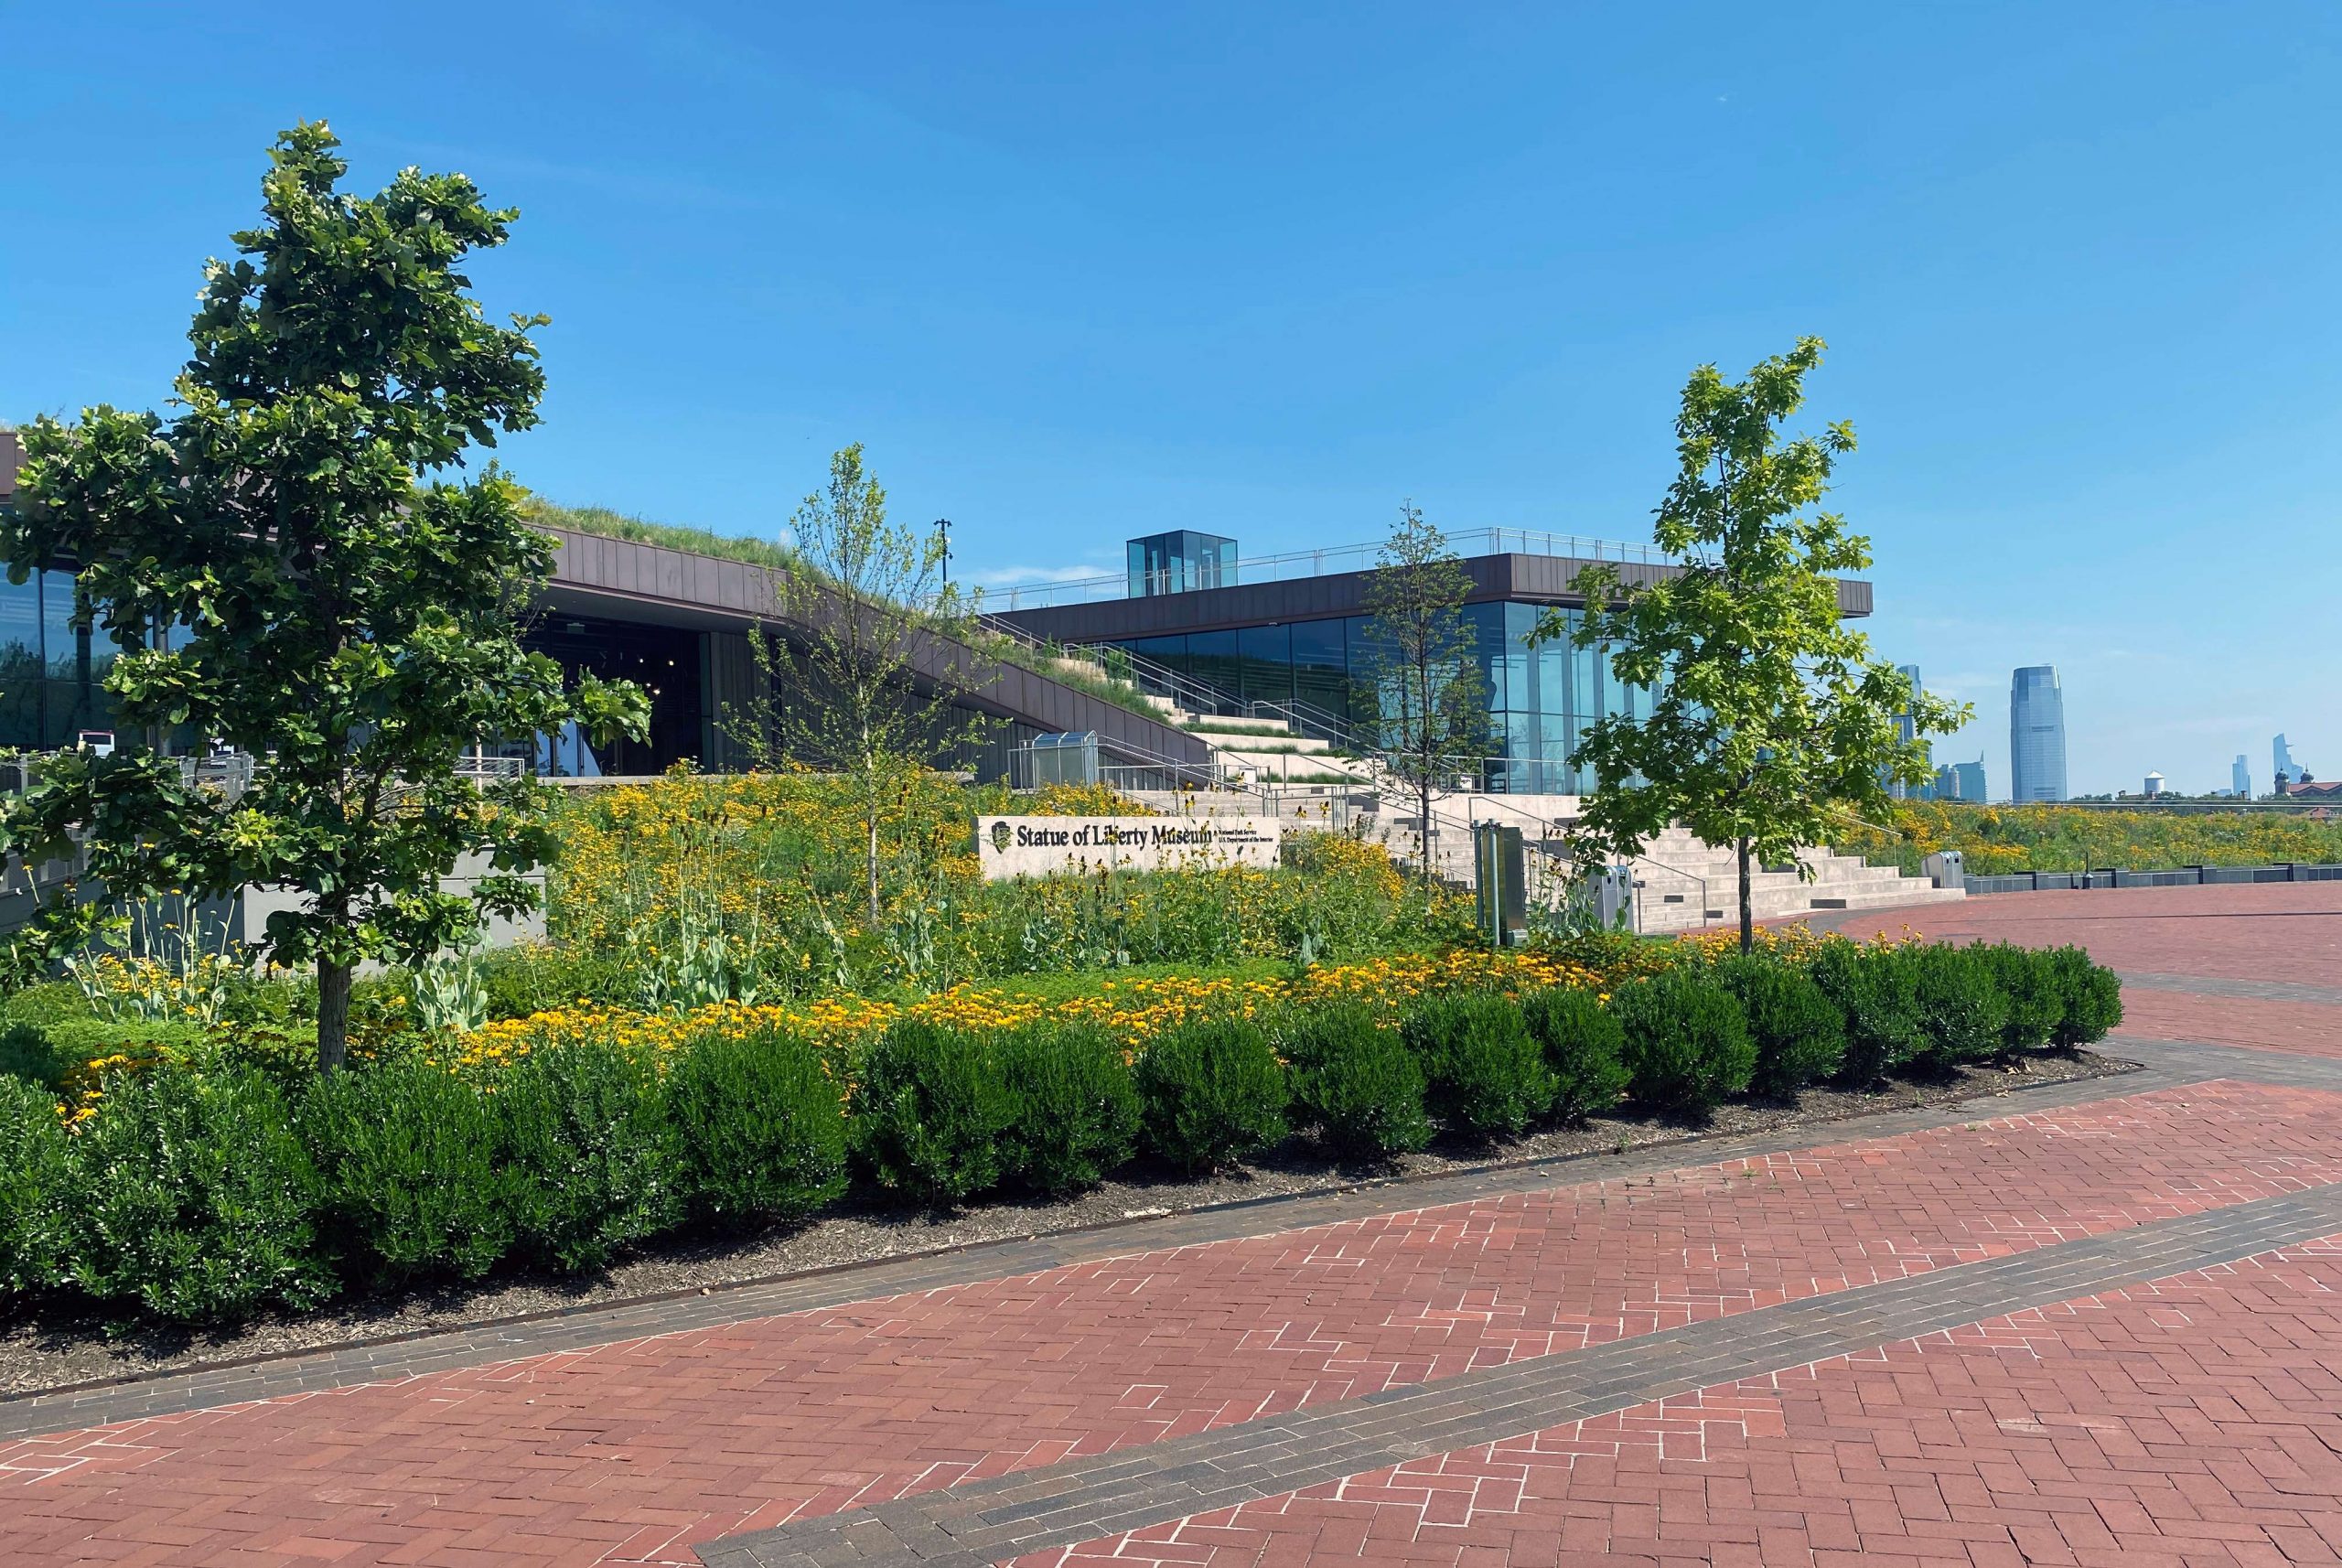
{"x":1270,"y":750}
{"x":1685,"y":884}
{"x":1682,"y":884}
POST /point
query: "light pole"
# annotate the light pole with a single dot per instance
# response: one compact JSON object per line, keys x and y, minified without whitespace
{"x":944,"y":532}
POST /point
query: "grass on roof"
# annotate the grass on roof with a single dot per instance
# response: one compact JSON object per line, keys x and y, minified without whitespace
{"x":602,"y":521}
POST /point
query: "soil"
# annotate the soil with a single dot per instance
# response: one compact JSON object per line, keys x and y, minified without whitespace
{"x":60,"y":1349}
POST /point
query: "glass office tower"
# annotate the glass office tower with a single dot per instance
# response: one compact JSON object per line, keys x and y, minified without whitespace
{"x":2037,"y":736}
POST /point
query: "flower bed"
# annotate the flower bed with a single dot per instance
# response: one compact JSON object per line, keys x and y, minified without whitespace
{"x":206,"y":1189}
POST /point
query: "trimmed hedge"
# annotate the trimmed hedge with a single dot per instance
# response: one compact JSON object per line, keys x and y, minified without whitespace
{"x":1358,"y":1084}
{"x":1213,"y":1093}
{"x":199,"y":1195}
{"x":929,"y":1113}
{"x":760,"y":1128}
{"x":1687,"y":1041}
{"x":1486,"y":1072}
{"x":1799,"y":1033}
{"x":412,"y":1172}
{"x":1878,"y":995}
{"x":2092,"y":998}
{"x":593,"y":1157}
{"x":1076,"y":1114}
{"x":33,"y":1185}
{"x":1962,"y":1010}
{"x":189,"y":1195}
{"x":1583,"y":1050}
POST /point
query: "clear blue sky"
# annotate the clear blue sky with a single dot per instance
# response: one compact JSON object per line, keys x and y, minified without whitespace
{"x":1083,"y":271}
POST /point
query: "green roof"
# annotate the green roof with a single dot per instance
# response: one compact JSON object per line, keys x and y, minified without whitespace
{"x":611,"y":524}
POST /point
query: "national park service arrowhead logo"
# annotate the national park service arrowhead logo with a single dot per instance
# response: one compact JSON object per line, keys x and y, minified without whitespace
{"x":1000,"y":836}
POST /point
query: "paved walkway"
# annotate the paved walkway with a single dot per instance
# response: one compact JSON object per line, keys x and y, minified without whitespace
{"x":2098,"y":1320}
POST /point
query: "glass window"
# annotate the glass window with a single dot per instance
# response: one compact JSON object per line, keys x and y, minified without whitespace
{"x":1266,"y":653}
{"x":1211,"y":659}
{"x":20,"y":663}
{"x":1320,"y":667}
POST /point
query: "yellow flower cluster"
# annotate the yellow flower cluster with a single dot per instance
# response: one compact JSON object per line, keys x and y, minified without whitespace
{"x":1134,"y":1010}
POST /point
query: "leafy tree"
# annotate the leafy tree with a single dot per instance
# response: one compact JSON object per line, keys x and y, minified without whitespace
{"x":1431,"y":700}
{"x":287,"y":567}
{"x":1769,"y":721}
{"x":849,"y":678}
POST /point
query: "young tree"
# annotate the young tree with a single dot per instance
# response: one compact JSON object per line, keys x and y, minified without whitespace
{"x":1431,"y":712}
{"x":280,"y":577}
{"x":1769,"y":720}
{"x":838,"y":680}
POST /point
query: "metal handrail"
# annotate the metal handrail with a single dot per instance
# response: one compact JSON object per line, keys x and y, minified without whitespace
{"x":1301,"y":564}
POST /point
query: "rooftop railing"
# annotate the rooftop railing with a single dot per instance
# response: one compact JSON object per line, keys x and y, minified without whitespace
{"x":1298,"y":564}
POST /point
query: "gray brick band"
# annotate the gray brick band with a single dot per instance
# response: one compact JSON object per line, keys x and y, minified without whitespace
{"x":992,"y":1522}
{"x":2243,"y":990}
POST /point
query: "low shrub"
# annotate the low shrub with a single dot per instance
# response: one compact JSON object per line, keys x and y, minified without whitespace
{"x":2091,"y":996}
{"x":1876,"y":991}
{"x":32,"y":1188}
{"x":1077,"y":1109}
{"x":1687,"y":1044}
{"x":2029,"y":986}
{"x":534,"y":977}
{"x":1484,"y":1072}
{"x":929,"y":1112}
{"x":591,"y":1152}
{"x":1357,"y":1083}
{"x":189,"y":1193}
{"x":1962,"y":1010}
{"x":1584,"y":1045}
{"x":1212,"y":1092}
{"x":759,"y":1127}
{"x":411,"y":1177}
{"x":1799,"y":1034}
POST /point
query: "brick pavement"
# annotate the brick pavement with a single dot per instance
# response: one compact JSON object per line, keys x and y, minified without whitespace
{"x":599,"y":1438}
{"x":2274,"y":930}
{"x":2196,"y":1419}
{"x":633,"y":1451}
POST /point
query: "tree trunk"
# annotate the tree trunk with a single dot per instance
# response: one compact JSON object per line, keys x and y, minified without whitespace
{"x":333,"y":1015}
{"x":1747,"y":904}
{"x":1422,"y":823}
{"x":871,"y":863}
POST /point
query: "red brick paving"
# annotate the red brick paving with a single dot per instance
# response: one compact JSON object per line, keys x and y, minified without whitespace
{"x":2271,"y":930}
{"x":629,"y":1452}
{"x":2196,"y":1420}
{"x":2306,"y":1028}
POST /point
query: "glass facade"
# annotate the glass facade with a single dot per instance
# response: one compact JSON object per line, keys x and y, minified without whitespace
{"x":48,"y":670}
{"x":1179,"y":561}
{"x":663,"y":660}
{"x":1542,"y":700}
{"x":2036,"y":735}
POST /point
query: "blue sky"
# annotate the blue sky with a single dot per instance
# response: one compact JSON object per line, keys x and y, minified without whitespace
{"x":1082,"y":272}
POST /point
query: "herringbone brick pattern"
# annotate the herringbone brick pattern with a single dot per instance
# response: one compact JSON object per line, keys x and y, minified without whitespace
{"x":2197,"y":1420}
{"x":630,"y":1452}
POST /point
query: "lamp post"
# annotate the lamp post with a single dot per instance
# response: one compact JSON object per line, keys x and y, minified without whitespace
{"x":944,"y":532}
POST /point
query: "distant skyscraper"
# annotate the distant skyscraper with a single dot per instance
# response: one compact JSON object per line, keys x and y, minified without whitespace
{"x":1961,"y":781}
{"x":2036,"y":735}
{"x":2280,"y":759}
{"x":2240,"y":778}
{"x":1907,"y":728}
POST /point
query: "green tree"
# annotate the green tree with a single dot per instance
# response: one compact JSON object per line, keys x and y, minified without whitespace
{"x":1770,"y":723}
{"x":287,"y":567}
{"x":860,"y":673}
{"x":1431,"y":699}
